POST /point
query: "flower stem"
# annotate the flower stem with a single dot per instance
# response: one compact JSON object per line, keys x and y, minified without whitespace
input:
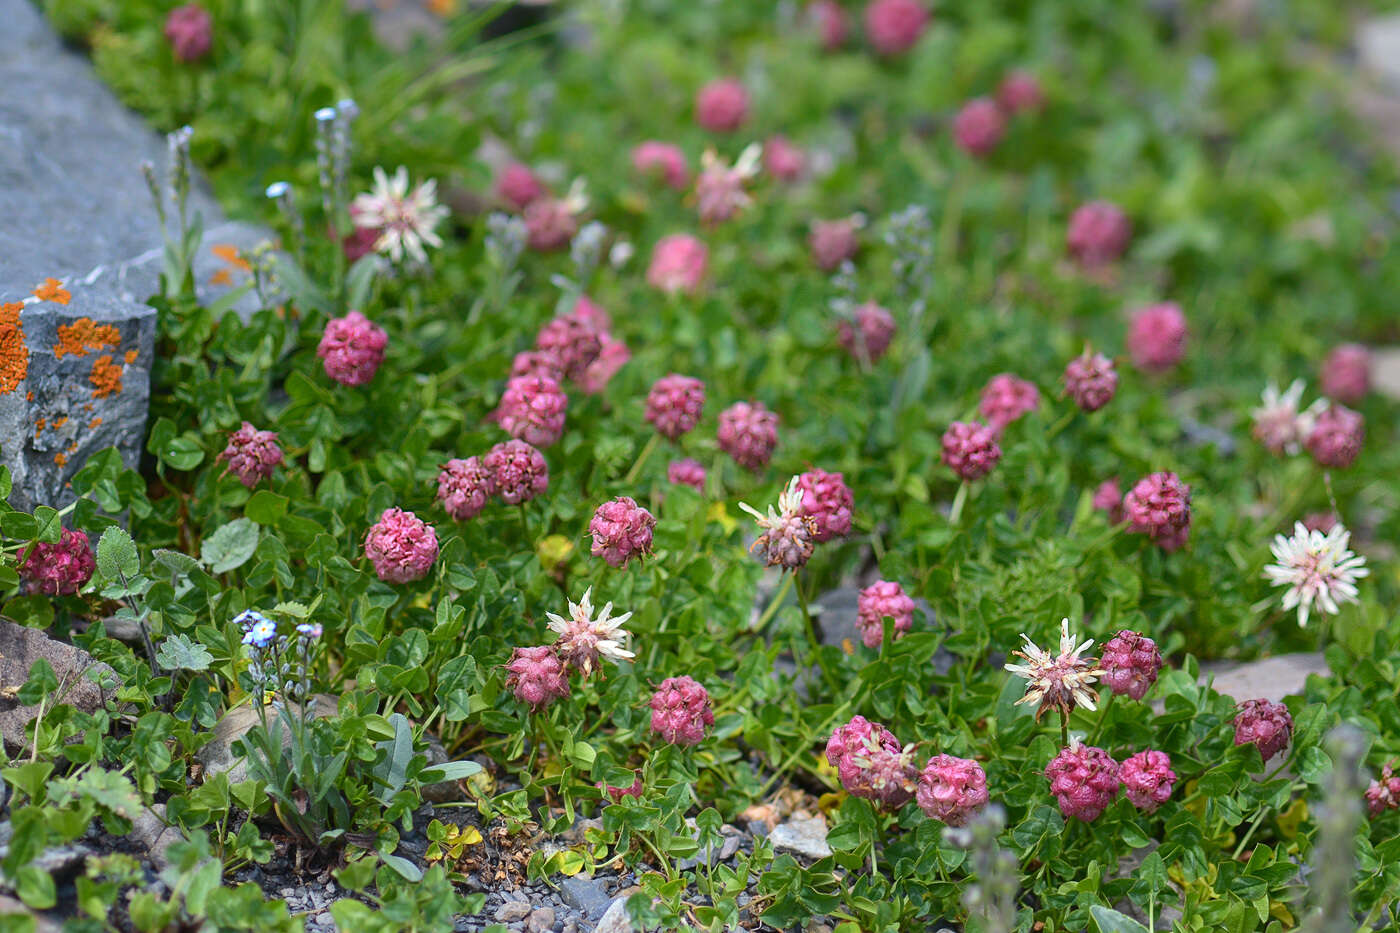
{"x":774,"y":603}
{"x":641,"y":459}
{"x":955,"y":513}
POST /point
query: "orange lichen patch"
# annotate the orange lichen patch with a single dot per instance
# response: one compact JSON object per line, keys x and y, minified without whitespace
{"x":229,"y":254}
{"x":87,"y":407}
{"x":39,"y":425}
{"x":60,"y":421}
{"x":130,"y":356}
{"x":221,"y":277}
{"x":82,"y":335}
{"x":443,"y":8}
{"x":14,"y":352}
{"x":60,"y":459}
{"x":29,"y":396}
{"x":106,"y":377}
{"x":52,"y":290}
{"x":93,"y":424}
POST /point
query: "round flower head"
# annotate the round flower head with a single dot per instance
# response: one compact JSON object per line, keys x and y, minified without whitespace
{"x":686,"y":472}
{"x":617,"y":793}
{"x":1006,"y":399}
{"x":878,"y":601}
{"x":1099,"y":232}
{"x":680,"y":711}
{"x":1147,"y":779}
{"x":1384,"y":793}
{"x":1268,"y":725}
{"x":537,"y":676}
{"x":1159,"y":506}
{"x":1157,"y":337}
{"x":573,"y":342}
{"x":828,"y":20}
{"x":1130,"y":664}
{"x":1346,"y":373}
{"x":550,"y":223}
{"x":251,"y":454}
{"x":678,"y":263}
{"x":518,"y":471}
{"x":401,"y":546}
{"x":1084,"y":780}
{"x":832,"y":242}
{"x":190,"y":31}
{"x":1278,"y":423}
{"x":871,"y":763}
{"x":720,"y":187}
{"x":258,"y":630}
{"x":951,"y":789}
{"x":464,"y":487}
{"x":352,"y":348}
{"x":532,"y":410}
{"x":788,"y":532}
{"x":970,"y":449}
{"x":748,"y":432}
{"x":518,"y":186}
{"x":661,"y":160}
{"x":621,"y":530}
{"x":1336,"y":437}
{"x":584,"y":642}
{"x":783,"y":160}
{"x":894,"y":26}
{"x":60,"y":568}
{"x":722,"y":106}
{"x":1108,"y":499}
{"x":1020,"y":92}
{"x":674,"y":404}
{"x":979,"y":126}
{"x":536,"y":363}
{"x":1057,"y":681}
{"x":828,"y":501}
{"x":1091,"y":380}
{"x":406,"y":219}
{"x":1317,"y":567}
{"x":871,"y":335}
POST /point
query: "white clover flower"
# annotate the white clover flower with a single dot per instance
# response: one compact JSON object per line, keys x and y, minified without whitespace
{"x":405,"y":220}
{"x":1059,"y":680}
{"x":584,"y":640}
{"x":1317,"y":568}
{"x":1279,"y":424}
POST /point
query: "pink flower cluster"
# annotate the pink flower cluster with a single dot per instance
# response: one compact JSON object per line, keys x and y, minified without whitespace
{"x":1384,"y":792}
{"x":60,"y":568}
{"x":1336,"y":437}
{"x":828,"y":20}
{"x":1084,"y":780}
{"x":665,"y":161}
{"x":686,"y":472}
{"x":1020,"y":92}
{"x":722,"y":106}
{"x":351,"y":349}
{"x":881,"y":600}
{"x":971,"y":449}
{"x":572,"y":343}
{"x":1346,"y":373}
{"x":519,"y":471}
{"x":833,"y":242}
{"x":783,"y":160}
{"x":1098,"y":234}
{"x":550,"y":223}
{"x":1091,"y":380}
{"x":621,"y":530}
{"x":1159,"y":506}
{"x":532,"y":409}
{"x":1265,"y":724}
{"x":871,"y":763}
{"x":951,"y":789}
{"x":680,"y":711}
{"x":464,"y":487}
{"x":674,"y":405}
{"x":518,"y":186}
{"x":678,"y":263}
{"x":1108,"y":498}
{"x":894,"y":26}
{"x":871,"y":335}
{"x":827,"y":500}
{"x":979,"y":126}
{"x":251,"y":454}
{"x":1157,"y":337}
{"x":401,"y":546}
{"x":1130,"y":664}
{"x":537,"y":676}
{"x":1007,"y":398}
{"x":748,"y":432}
{"x":1147,"y":779}
{"x":190,"y":31}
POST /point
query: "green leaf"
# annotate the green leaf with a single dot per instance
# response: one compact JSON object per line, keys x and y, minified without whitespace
{"x":50,"y":524}
{"x":405,"y":869}
{"x":182,"y":653}
{"x":265,"y":507}
{"x":175,"y":561}
{"x":1313,"y":765}
{"x":117,"y":554}
{"x":1111,"y":921}
{"x":230,"y":547}
{"x":449,"y":771}
{"x":41,"y":683}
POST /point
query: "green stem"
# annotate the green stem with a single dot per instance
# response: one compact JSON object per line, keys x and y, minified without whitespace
{"x":955,"y":513}
{"x":650,"y":445}
{"x":774,"y":603}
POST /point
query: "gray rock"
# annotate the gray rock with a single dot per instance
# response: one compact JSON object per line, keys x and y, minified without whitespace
{"x":1378,"y":47}
{"x":80,"y":677}
{"x":511,"y":911}
{"x":78,"y":210}
{"x":586,"y":895}
{"x":1385,"y":371}
{"x":1268,"y":678}
{"x":805,"y":837}
{"x":150,"y":830}
{"x":541,"y":920}
{"x":615,"y":919}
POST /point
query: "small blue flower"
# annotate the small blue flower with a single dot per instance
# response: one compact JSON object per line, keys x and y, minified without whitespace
{"x":310,"y":630}
{"x":258,"y":630}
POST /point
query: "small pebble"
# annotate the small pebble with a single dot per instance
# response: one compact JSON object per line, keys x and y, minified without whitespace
{"x":511,"y":911}
{"x":541,"y":920}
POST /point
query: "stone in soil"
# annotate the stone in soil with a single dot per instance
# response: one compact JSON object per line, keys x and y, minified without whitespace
{"x":804,"y":837}
{"x":1385,"y":371}
{"x":1267,"y":678}
{"x":78,"y":673}
{"x":150,"y":829}
{"x":74,"y":377}
{"x":511,"y":911}
{"x":586,"y":895}
{"x":615,"y":919}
